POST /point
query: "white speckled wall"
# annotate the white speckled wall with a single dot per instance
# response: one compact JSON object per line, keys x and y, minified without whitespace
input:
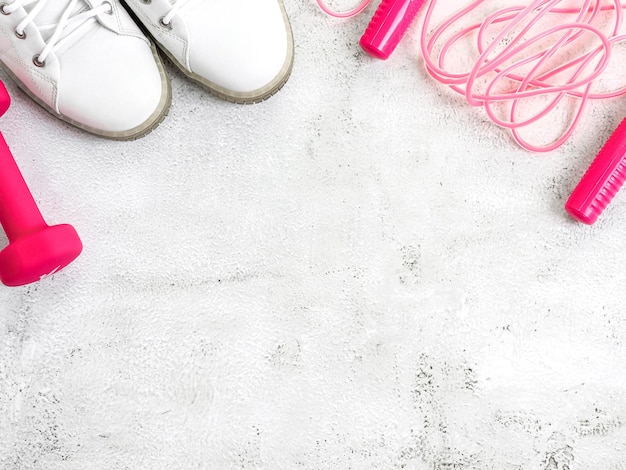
{"x":360,"y":273}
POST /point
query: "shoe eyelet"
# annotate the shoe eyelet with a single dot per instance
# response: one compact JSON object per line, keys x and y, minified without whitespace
{"x":110,"y":10}
{"x":37,"y":62}
{"x":2,"y":10}
{"x":164,"y":24}
{"x":146,"y":2}
{"x":21,"y":35}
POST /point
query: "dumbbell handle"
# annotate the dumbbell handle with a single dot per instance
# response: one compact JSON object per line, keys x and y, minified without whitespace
{"x":19,"y":214}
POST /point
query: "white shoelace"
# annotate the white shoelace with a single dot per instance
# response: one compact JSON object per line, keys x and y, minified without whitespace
{"x":173,"y":11}
{"x":69,"y":22}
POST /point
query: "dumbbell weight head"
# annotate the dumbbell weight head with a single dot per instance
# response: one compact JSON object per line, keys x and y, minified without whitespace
{"x":39,"y":254}
{"x":5,"y":99}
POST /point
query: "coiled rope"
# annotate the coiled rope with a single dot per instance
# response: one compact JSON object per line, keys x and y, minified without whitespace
{"x":525,"y":57}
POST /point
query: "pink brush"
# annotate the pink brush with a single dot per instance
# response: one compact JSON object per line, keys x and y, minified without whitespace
{"x":602,"y":181}
{"x":388,"y":25}
{"x":35,"y":249}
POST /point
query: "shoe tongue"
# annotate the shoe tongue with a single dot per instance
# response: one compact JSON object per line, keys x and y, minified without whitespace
{"x":52,"y":12}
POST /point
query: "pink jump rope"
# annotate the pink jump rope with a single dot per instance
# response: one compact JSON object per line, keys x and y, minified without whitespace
{"x":35,"y":249}
{"x":541,"y":51}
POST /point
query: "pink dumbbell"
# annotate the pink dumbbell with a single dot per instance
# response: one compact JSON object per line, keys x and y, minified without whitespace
{"x":35,"y":249}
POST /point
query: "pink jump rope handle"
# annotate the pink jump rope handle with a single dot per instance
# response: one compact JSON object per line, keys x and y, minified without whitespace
{"x":602,"y":181}
{"x":35,"y":249}
{"x":388,"y":25}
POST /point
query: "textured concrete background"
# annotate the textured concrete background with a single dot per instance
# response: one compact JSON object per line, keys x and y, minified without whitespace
{"x":360,"y":273}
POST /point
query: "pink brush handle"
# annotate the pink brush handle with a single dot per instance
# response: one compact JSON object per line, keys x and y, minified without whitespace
{"x":388,"y":25}
{"x":602,"y":181}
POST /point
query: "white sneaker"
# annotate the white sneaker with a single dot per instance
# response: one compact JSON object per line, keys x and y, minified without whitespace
{"x":241,"y":50}
{"x":87,"y":63}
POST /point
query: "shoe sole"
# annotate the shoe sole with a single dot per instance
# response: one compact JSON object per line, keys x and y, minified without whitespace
{"x":247,"y":97}
{"x":148,"y":126}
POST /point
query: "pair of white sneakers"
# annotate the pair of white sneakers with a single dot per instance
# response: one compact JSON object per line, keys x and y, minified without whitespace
{"x":94,"y":64}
